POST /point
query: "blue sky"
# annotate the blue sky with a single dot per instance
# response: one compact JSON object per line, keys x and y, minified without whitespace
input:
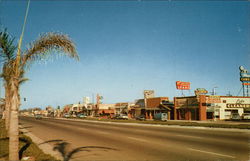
{"x":126,"y":47}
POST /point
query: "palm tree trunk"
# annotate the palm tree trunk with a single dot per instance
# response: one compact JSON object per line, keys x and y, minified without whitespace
{"x":13,"y":128}
{"x":7,"y":107}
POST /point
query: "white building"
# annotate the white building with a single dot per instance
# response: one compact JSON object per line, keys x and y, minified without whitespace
{"x":231,"y":104}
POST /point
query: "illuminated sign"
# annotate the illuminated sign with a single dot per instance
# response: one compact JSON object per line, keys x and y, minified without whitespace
{"x":238,"y":105}
{"x":245,"y":79}
{"x":182,"y":85}
{"x":246,"y":84}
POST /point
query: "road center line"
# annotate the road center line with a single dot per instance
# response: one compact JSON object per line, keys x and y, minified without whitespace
{"x":197,"y":137}
{"x":137,"y":139}
{"x":223,"y":155}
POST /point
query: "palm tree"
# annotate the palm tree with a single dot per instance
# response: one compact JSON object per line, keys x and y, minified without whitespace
{"x":7,"y":50}
{"x":15,"y":68}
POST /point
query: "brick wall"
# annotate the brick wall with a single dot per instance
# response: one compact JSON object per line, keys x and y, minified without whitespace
{"x":202,"y":109}
{"x":155,"y":102}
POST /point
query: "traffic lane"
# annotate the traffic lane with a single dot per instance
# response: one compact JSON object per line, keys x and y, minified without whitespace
{"x":137,"y":148}
{"x":193,"y":142}
{"x":127,"y":148}
{"x":169,"y":141}
{"x":215,"y":133}
{"x":210,"y":140}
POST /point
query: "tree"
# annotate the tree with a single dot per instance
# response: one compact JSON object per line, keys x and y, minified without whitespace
{"x":7,"y":50}
{"x":14,"y":69}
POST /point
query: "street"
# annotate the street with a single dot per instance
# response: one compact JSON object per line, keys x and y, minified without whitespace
{"x":142,"y":142}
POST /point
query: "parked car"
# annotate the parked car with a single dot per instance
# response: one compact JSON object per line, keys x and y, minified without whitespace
{"x":121,"y":117}
{"x":141,"y":118}
{"x":81,"y":116}
{"x":38,"y":116}
{"x":245,"y":116}
{"x":235,"y":116}
{"x":66,"y":115}
{"x":161,"y":116}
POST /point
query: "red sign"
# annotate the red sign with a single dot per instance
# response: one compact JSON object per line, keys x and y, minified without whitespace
{"x":182,"y":85}
{"x":246,"y":84}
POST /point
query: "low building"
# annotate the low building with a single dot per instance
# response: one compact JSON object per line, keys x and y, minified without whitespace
{"x":210,"y":107}
{"x":78,"y":108}
{"x":66,"y":108}
{"x":158,"y":105}
{"x":148,"y":107}
{"x":106,"y":110}
{"x":121,"y":108}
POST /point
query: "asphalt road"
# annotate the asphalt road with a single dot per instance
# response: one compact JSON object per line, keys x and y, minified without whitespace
{"x":143,"y":142}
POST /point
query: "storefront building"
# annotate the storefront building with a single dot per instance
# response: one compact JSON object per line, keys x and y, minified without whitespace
{"x":150,"y":106}
{"x":230,"y":105}
{"x":210,"y":107}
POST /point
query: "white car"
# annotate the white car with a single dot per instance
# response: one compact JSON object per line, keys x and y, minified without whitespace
{"x":122,"y":117}
{"x":245,"y":116}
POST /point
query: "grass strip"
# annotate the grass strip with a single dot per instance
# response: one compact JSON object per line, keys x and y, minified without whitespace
{"x":32,"y":150}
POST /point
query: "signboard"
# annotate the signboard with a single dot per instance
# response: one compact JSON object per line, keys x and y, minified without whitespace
{"x":245,"y":79}
{"x":186,"y":103}
{"x":213,"y":99}
{"x":200,"y":91}
{"x":182,"y":85}
{"x":149,"y":94}
{"x":238,"y":105}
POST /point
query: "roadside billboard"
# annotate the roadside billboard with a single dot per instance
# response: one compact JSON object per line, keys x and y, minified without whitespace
{"x":182,"y":85}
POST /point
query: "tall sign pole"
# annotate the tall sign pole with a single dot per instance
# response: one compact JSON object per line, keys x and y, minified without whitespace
{"x":245,"y":79}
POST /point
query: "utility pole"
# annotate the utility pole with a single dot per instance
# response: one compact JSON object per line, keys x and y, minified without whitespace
{"x":213,"y":92}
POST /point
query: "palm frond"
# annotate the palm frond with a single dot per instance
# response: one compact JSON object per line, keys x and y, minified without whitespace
{"x":23,"y":80}
{"x":47,"y":44}
{"x":7,"y":71}
{"x":7,"y":47}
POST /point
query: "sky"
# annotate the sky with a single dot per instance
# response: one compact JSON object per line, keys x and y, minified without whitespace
{"x":126,"y":47}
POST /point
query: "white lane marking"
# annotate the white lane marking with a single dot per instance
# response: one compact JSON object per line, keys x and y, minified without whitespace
{"x":137,"y":139}
{"x":197,"y":137}
{"x":223,"y":155}
{"x":101,"y":132}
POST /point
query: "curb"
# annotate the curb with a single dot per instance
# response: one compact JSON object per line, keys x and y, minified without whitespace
{"x":157,"y":125}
